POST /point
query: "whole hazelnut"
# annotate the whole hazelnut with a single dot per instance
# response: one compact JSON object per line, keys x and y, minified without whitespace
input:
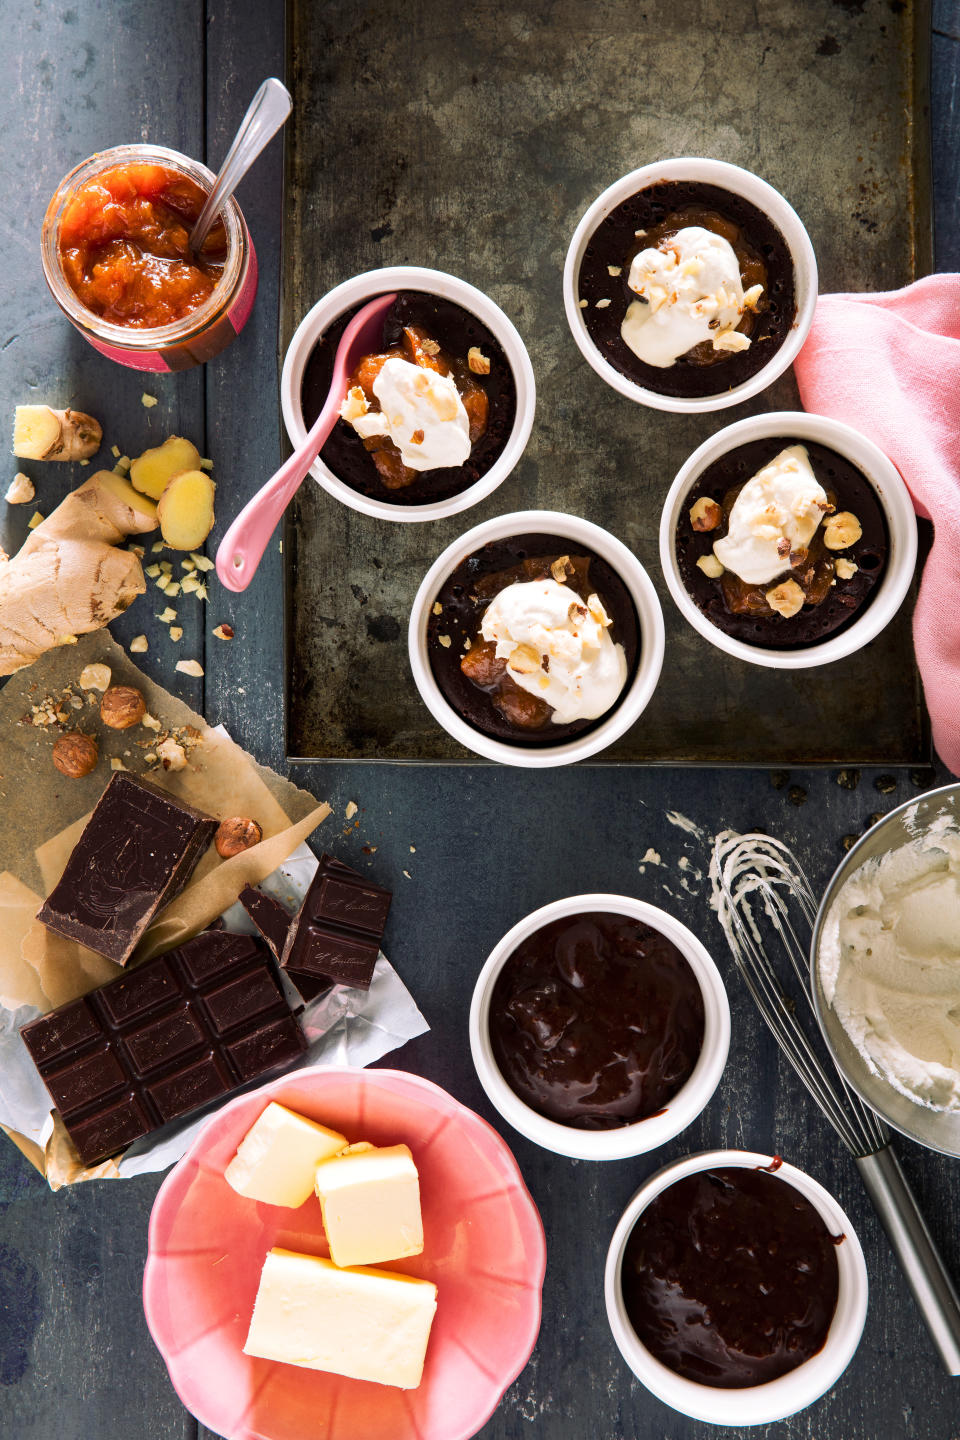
{"x":236,"y":834}
{"x":122,"y":707}
{"x":75,"y":755}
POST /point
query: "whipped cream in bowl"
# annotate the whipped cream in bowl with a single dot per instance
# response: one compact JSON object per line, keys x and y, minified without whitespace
{"x":690,"y":293}
{"x":689,"y":285}
{"x":558,"y":647}
{"x":536,"y":639}
{"x":885,"y":968}
{"x":773,"y":518}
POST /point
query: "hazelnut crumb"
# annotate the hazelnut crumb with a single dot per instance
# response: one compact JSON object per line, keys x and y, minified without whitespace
{"x":224,"y":632}
{"x":139,"y":645}
{"x":614,"y":270}
{"x":116,"y":763}
{"x":430,"y":347}
{"x":21,"y":490}
{"x":148,"y":401}
{"x":437,"y":608}
{"x":95,"y":677}
{"x":583,"y":304}
{"x":417,"y":437}
{"x":477,"y":361}
{"x":602,"y":304}
{"x":171,"y":754}
{"x":176,"y":632}
{"x":190,"y":667}
{"x":445,"y":641}
{"x":705,"y":514}
{"x":561,"y":568}
{"x":710,"y":566}
{"x":150,"y":722}
{"x":846,"y":569}
{"x":351,"y":810}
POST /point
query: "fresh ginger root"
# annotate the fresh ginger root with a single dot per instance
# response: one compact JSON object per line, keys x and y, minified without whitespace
{"x":152,"y":471}
{"x":41,"y":433}
{"x":185,"y":510}
{"x":68,"y":578}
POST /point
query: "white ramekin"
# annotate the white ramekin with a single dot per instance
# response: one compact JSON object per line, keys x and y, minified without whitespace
{"x":626,"y":1140}
{"x":568,"y":529}
{"x":757,"y":1404}
{"x":727,"y":177}
{"x":434,"y":282}
{"x":891,"y":492}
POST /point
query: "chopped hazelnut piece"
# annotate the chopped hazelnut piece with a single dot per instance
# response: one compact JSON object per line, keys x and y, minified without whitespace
{"x":148,"y":401}
{"x":437,"y":608}
{"x":445,"y":641}
{"x":752,"y":296}
{"x":477,"y":361}
{"x":842,"y":531}
{"x":190,"y":667}
{"x":710,"y":566}
{"x":846,"y":569}
{"x":583,"y":304}
{"x":95,"y":677}
{"x":171,"y":754}
{"x":525,"y":661}
{"x":417,"y":438}
{"x":429,"y":347}
{"x":602,"y":304}
{"x":21,"y":490}
{"x":139,"y":645}
{"x":150,"y":722}
{"x":786,"y":598}
{"x":351,"y":810}
{"x":732,"y":340}
{"x":224,"y":632}
{"x":35,"y":519}
{"x":705,"y":514}
{"x":176,"y":632}
{"x":561,"y":568}
{"x":614,"y":270}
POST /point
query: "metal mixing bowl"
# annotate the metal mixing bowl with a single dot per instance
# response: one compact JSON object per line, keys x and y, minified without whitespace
{"x":938,"y":1130}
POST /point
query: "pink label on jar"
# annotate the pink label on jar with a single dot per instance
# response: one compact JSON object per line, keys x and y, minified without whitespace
{"x":134,"y":360}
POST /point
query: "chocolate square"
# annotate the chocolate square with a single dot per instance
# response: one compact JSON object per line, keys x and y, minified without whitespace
{"x":175,"y":1033}
{"x":336,"y":933}
{"x":136,"y":853}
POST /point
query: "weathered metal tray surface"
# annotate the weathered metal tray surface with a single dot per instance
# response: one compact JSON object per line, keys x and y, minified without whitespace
{"x":472,"y":138}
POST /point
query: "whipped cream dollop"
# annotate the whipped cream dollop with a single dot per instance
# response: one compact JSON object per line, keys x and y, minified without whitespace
{"x":420,"y":411}
{"x":557,"y":647}
{"x":775,"y":515}
{"x":691,"y":292}
{"x":890,"y":965}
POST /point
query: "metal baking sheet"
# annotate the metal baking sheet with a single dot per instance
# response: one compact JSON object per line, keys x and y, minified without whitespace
{"x":472,"y":138}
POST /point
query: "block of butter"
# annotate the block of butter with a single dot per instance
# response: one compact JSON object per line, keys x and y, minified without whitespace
{"x":279,"y":1155}
{"x":368,"y":1324}
{"x":370,"y":1200}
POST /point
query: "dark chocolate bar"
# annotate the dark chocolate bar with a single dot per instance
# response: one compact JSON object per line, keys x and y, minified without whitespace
{"x":271,"y":917}
{"x":163,"y":1039}
{"x":336,"y":933}
{"x":136,"y":853}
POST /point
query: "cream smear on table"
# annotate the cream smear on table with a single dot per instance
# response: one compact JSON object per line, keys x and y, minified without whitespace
{"x":890,"y":965}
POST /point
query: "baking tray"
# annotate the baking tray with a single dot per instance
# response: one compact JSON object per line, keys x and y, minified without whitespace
{"x":472,"y":138}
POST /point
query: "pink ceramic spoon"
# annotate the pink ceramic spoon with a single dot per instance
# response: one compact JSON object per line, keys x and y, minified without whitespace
{"x":241,"y":549}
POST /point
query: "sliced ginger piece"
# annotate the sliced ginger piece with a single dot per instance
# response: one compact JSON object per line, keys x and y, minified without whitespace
{"x":42,"y":433}
{"x":152,"y":471}
{"x":185,"y":510}
{"x":120,"y":486}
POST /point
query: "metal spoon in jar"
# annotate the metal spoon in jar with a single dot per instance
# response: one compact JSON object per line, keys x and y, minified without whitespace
{"x":268,"y":110}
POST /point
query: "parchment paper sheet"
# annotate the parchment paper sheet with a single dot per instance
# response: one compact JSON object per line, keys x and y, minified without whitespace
{"x":41,"y":816}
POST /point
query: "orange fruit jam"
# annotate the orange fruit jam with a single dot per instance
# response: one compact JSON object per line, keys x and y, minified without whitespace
{"x":123,"y":246}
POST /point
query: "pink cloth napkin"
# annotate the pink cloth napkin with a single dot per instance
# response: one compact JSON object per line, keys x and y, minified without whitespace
{"x":889,"y":365}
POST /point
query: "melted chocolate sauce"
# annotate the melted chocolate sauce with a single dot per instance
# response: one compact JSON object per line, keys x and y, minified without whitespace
{"x":758,"y":244}
{"x":844,"y":602}
{"x":596,"y":1021}
{"x":730,"y":1278}
{"x":456,"y":330}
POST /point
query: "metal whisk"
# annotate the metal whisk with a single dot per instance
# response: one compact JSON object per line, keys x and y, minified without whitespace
{"x":767,"y":909}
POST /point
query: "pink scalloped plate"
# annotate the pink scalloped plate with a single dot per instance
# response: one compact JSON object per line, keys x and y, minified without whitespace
{"x":484,"y":1249}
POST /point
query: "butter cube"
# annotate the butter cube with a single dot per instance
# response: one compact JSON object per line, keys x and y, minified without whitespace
{"x":370,"y":1200}
{"x":368,"y":1324}
{"x":279,"y":1155}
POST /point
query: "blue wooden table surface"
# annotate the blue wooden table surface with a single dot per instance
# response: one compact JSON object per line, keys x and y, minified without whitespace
{"x":480,"y":846}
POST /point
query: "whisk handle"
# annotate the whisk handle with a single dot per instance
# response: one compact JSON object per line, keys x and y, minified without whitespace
{"x":913,"y":1245}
